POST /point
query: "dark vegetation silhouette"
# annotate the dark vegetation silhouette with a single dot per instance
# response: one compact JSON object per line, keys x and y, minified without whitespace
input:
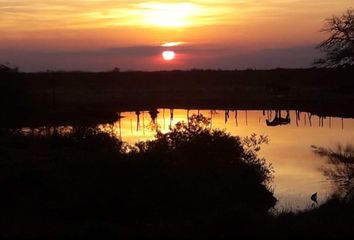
{"x":8,"y":68}
{"x":56,"y":97}
{"x":338,"y":49}
{"x":341,"y":166}
{"x":331,"y":220}
{"x":192,"y":181}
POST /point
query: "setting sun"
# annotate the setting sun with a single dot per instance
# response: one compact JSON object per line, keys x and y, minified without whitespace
{"x":168,"y":55}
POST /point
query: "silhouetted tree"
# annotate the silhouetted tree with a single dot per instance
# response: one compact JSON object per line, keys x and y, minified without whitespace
{"x":341,"y":165}
{"x":339,"y":47}
{"x":6,"y":68}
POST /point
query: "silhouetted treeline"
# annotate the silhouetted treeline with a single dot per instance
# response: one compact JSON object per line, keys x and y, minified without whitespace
{"x":7,"y":68}
{"x":324,"y":91}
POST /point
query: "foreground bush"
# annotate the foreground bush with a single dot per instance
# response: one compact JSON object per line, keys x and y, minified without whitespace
{"x":191,"y":181}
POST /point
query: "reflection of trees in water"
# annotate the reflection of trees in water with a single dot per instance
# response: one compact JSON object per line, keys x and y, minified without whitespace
{"x":171,"y":117}
{"x":272,"y":118}
{"x":137,"y":113}
{"x":246,"y":117}
{"x":227,"y":116}
{"x":119,"y":114}
{"x":341,"y":165}
{"x":236,"y":118}
{"x":278,"y":119}
{"x":45,"y":130}
{"x":320,"y":121}
{"x":153,"y":114}
{"x":212,"y":113}
{"x":153,"y":125}
{"x":164,"y":119}
{"x":310,"y":118}
{"x":120,"y":127}
{"x":297,"y":117}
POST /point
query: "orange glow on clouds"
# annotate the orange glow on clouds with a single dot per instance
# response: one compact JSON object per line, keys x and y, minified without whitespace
{"x":172,"y":44}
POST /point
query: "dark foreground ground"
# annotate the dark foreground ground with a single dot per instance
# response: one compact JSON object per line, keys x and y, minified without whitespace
{"x":190,"y":183}
{"x":96,"y":97}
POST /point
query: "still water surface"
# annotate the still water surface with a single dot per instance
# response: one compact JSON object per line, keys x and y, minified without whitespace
{"x":297,"y":170}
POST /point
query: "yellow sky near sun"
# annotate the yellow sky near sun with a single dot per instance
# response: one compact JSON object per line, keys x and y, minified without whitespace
{"x":19,"y":15}
{"x":25,"y":15}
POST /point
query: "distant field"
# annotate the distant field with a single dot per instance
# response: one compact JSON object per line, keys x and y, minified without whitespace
{"x":53,"y":95}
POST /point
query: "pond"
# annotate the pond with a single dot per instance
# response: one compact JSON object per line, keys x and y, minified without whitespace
{"x":297,"y":169}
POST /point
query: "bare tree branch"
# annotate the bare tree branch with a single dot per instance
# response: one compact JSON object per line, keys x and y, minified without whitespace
{"x":340,"y":166}
{"x":338,"y":49}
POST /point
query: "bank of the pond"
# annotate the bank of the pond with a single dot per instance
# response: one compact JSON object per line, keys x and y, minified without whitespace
{"x":70,"y":95}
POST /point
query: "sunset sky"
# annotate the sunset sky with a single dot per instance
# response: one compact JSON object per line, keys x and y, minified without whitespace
{"x":97,"y":35}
